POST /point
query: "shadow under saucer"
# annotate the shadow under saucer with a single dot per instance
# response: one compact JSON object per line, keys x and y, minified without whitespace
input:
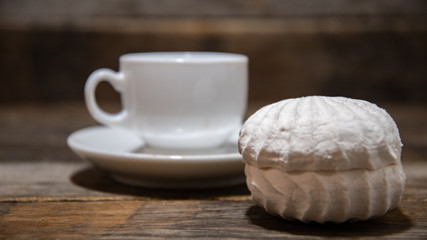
{"x":99,"y":180}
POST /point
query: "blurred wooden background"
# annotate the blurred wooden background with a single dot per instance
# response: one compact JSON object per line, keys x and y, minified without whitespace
{"x":374,"y":50}
{"x":369,"y":49}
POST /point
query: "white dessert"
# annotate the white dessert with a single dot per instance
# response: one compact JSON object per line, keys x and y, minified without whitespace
{"x":323,"y":159}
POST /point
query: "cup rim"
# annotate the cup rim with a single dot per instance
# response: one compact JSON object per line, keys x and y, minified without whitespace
{"x":183,"y":57}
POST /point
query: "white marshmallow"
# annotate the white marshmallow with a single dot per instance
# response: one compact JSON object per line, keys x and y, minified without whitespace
{"x":323,"y":159}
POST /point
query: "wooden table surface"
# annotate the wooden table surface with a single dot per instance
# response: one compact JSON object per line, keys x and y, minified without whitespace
{"x":47,"y":192}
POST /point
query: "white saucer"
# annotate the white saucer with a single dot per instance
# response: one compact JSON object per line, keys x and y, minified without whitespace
{"x":130,"y":162}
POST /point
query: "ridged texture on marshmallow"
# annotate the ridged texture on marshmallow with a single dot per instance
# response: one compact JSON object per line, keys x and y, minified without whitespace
{"x":325,"y":196}
{"x":323,"y":159}
{"x":320,"y":133}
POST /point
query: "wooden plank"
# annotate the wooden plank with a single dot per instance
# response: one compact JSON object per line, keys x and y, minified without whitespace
{"x":38,"y":132}
{"x":56,"y":195}
{"x":360,"y":58}
{"x":363,"y":49}
{"x":184,"y":219}
{"x":62,"y":219}
{"x":207,"y":8}
{"x":213,"y":17}
{"x":50,"y":181}
{"x":225,"y":26}
{"x":75,"y":181}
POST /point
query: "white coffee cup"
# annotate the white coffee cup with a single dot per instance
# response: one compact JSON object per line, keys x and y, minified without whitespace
{"x":183,"y":100}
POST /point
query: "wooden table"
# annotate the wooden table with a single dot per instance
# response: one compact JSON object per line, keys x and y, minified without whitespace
{"x":47,"y":192}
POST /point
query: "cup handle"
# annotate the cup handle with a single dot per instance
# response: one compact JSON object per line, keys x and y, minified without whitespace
{"x":116,"y":79}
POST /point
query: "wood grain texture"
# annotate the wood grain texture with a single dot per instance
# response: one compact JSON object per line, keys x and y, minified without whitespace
{"x":53,"y":10}
{"x":376,"y":65}
{"x":46,"y":192}
{"x":364,"y":49}
{"x":199,"y":219}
